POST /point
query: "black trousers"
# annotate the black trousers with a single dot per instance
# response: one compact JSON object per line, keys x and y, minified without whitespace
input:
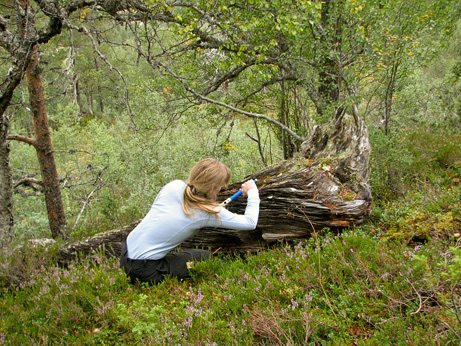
{"x":154,"y":271}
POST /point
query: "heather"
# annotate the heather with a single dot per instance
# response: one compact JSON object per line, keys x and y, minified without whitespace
{"x":333,"y":288}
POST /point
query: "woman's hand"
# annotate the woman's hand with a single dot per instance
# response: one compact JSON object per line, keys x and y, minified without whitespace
{"x":248,"y":185}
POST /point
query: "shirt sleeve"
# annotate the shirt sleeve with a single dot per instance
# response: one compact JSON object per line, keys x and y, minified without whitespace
{"x":247,"y":221}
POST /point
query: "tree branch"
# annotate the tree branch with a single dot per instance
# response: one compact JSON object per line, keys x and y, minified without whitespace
{"x":24,"y":139}
{"x":199,"y":96}
{"x":8,"y":86}
{"x":99,"y":185}
{"x":266,"y":84}
{"x":29,"y":182}
{"x":232,"y":74}
{"x":258,"y":142}
{"x":249,"y":114}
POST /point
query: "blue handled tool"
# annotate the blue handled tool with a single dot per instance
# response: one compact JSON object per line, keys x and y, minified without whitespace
{"x":235,"y":195}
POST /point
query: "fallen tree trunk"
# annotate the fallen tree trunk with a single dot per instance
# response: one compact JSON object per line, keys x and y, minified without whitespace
{"x":325,"y":185}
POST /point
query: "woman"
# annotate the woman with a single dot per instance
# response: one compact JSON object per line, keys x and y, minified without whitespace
{"x":178,"y":211}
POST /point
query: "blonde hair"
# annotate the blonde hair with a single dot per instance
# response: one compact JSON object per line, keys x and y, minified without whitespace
{"x":205,"y":178}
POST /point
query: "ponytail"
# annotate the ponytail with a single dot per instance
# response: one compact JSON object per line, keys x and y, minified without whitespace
{"x":203,"y":184}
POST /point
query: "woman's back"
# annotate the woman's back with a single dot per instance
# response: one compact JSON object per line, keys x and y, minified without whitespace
{"x":165,"y":226}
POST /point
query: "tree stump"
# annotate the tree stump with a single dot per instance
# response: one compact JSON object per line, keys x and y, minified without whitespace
{"x":326,"y":184}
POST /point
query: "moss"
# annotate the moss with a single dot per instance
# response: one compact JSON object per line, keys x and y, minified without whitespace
{"x":346,"y":194}
{"x":422,"y":225}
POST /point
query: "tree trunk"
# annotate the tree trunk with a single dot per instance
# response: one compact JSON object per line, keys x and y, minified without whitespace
{"x":6,"y":186}
{"x":331,"y":22}
{"x":286,"y":140}
{"x":44,"y":148}
{"x":77,"y":95}
{"x":390,"y":90}
{"x":98,"y":87}
{"x":325,"y":185}
{"x":75,"y":78}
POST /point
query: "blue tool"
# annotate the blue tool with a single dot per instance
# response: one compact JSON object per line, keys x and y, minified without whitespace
{"x":235,"y":195}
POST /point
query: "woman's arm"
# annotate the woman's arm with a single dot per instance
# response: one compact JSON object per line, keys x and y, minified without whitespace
{"x":247,"y":221}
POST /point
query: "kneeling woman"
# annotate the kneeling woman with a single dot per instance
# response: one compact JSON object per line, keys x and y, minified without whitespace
{"x":180,"y":209}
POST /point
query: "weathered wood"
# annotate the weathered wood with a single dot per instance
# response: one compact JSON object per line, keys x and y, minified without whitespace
{"x":325,"y":185}
{"x":109,"y":241}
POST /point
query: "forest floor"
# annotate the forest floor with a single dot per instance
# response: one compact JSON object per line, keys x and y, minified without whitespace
{"x":388,"y":282}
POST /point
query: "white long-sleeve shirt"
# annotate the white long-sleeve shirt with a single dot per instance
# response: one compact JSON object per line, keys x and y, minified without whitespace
{"x":166,"y":226}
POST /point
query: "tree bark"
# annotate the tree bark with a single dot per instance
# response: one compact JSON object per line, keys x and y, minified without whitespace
{"x":325,"y":185}
{"x":288,"y":146}
{"x":390,"y":90}
{"x":6,"y":186}
{"x":75,"y":77}
{"x":98,"y":87}
{"x":44,"y":148}
{"x":329,"y":80}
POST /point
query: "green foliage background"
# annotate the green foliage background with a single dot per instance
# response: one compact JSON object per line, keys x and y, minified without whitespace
{"x":396,"y":280}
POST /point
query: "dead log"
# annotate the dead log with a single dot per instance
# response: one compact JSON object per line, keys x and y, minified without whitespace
{"x":325,"y":185}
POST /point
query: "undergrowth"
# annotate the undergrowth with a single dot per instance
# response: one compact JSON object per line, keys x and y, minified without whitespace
{"x":353,"y":288}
